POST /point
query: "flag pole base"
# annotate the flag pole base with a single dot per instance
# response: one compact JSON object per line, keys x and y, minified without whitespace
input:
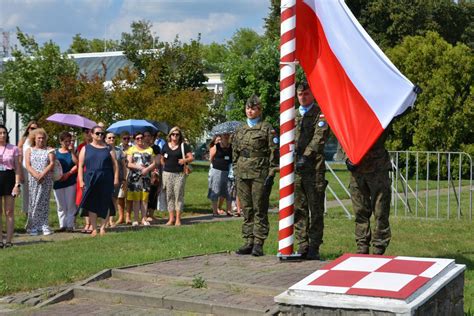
{"x":295,"y":257}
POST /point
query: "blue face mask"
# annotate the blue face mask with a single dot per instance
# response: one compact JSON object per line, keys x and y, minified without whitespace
{"x":304,"y":109}
{"x":253,"y":122}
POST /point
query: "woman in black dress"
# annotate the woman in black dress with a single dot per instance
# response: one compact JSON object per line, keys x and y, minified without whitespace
{"x":98,"y":182}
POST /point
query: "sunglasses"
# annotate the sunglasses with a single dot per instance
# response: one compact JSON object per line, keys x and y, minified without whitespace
{"x":138,"y":138}
{"x":125,"y":138}
{"x":175,"y":134}
{"x":32,"y":128}
{"x":111,"y":137}
{"x":99,"y":133}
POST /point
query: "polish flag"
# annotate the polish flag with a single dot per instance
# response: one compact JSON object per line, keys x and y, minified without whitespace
{"x":355,"y":84}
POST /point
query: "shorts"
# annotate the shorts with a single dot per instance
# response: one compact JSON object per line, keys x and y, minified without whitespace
{"x":7,"y":182}
{"x":137,"y":196}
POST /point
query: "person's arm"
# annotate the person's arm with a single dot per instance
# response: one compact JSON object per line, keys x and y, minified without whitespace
{"x":18,"y":172}
{"x":30,"y":169}
{"x":212,"y":152}
{"x":115,"y":166}
{"x":50,"y":166}
{"x":80,"y":168}
{"x":188,"y":156}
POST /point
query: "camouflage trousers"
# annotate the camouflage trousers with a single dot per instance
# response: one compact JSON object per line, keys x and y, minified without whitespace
{"x":253,"y":198}
{"x":309,"y":209}
{"x":370,"y":194}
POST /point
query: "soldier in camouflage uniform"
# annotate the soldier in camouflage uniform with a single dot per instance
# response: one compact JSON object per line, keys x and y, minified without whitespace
{"x":312,"y":132}
{"x":254,"y":160}
{"x":370,"y":194}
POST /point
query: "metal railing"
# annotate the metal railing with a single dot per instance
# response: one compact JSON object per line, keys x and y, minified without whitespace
{"x":425,"y":184}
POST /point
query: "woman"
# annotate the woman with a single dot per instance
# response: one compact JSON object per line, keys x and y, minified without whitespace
{"x":140,"y":162}
{"x":23,"y":145}
{"x":124,"y":208}
{"x":98,"y":180}
{"x":173,"y":173}
{"x":65,"y":188}
{"x":10,"y":172}
{"x":255,"y":161}
{"x":220,"y":156}
{"x":120,"y":157}
{"x":39,"y":163}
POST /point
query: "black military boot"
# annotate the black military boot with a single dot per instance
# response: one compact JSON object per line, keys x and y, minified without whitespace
{"x":245,"y":249}
{"x":363,"y":250}
{"x":313,"y":253}
{"x":257,"y":250}
{"x":303,"y":252}
{"x":378,"y":250}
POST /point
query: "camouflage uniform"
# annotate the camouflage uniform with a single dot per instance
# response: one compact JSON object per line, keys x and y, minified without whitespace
{"x":254,"y":157}
{"x":312,"y":132}
{"x":370,"y":194}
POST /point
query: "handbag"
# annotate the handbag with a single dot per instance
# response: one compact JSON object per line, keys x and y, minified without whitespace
{"x":187,"y":168}
{"x":57,"y":170}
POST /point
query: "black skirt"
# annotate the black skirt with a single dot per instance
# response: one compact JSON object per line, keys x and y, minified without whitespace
{"x":7,"y":182}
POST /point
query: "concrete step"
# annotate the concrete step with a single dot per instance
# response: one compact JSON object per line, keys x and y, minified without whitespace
{"x":85,"y":306}
{"x":178,"y":293}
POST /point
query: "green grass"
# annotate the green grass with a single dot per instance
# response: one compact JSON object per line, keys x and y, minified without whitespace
{"x":45,"y":264}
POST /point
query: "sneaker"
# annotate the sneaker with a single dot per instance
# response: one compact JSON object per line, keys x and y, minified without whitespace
{"x":145,"y":223}
{"x":135,"y":223}
{"x":245,"y":249}
{"x":257,"y":250}
{"x":33,"y":232}
{"x":47,"y":232}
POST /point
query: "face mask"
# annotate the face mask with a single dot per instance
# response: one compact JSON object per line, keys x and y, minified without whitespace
{"x":253,"y":122}
{"x":304,"y":109}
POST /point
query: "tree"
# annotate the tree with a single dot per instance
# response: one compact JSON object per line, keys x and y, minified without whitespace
{"x":272,"y":21}
{"x":34,"y":72}
{"x":83,"y":45}
{"x":79,"y":45}
{"x":444,"y":111}
{"x":214,"y":56}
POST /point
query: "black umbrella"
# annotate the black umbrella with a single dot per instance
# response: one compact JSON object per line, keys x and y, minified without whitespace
{"x":226,"y":128}
{"x":160,"y":126}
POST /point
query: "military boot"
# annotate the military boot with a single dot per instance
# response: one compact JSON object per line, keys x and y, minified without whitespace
{"x":378,"y":250}
{"x":257,"y":250}
{"x":303,"y":252}
{"x":245,"y":249}
{"x":313,"y":253}
{"x":363,"y":250}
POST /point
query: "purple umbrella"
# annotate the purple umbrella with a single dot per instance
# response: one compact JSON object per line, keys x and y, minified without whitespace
{"x":74,"y":120}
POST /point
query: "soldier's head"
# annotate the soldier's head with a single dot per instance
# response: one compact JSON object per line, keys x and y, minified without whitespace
{"x":253,"y":107}
{"x":304,"y":94}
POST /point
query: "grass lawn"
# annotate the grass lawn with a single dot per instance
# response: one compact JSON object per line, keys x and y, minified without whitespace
{"x":45,"y":264}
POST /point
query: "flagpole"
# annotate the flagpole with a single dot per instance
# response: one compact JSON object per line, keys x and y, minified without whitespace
{"x":287,"y":128}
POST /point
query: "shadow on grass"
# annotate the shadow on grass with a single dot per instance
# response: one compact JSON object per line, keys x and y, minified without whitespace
{"x":461,"y":258}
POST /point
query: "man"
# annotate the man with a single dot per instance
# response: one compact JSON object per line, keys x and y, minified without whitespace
{"x":312,"y":132}
{"x":370,"y":194}
{"x":254,"y":159}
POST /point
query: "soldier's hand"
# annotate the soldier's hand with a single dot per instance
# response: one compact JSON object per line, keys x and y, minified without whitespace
{"x":300,"y":163}
{"x":268,"y":181}
{"x":350,"y":166}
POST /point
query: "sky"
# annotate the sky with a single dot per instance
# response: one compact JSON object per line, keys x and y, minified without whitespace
{"x":60,"y":20}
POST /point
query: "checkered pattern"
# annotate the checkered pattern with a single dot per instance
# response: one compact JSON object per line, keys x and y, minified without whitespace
{"x":379,"y":276}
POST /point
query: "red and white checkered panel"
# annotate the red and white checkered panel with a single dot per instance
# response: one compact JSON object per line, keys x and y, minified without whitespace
{"x":379,"y":276}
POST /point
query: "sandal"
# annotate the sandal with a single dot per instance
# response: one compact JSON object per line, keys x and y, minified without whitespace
{"x":8,"y":245}
{"x":237,"y":214}
{"x":1,"y":244}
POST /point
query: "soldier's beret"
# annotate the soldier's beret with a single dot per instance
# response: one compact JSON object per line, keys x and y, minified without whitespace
{"x":254,"y":100}
{"x":302,"y":86}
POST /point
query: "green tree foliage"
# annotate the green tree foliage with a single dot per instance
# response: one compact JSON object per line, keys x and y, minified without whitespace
{"x":389,"y":21}
{"x":83,"y":45}
{"x":272,"y":21}
{"x":214,"y":56}
{"x":34,"y":72}
{"x":444,"y":112}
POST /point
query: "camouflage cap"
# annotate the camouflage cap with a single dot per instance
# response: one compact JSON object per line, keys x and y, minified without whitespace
{"x":302,"y":86}
{"x":254,"y":100}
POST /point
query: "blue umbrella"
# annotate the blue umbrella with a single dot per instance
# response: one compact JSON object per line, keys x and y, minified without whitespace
{"x":131,"y":126}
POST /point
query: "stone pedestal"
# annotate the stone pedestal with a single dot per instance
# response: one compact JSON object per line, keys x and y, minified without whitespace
{"x":378,"y":285}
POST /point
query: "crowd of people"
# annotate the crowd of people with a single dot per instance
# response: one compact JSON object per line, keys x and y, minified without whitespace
{"x":96,"y":180}
{"x":102,"y":180}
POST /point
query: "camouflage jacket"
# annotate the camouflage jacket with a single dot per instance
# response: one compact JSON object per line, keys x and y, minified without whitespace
{"x":377,"y":158}
{"x":254,"y":151}
{"x":312,"y":132}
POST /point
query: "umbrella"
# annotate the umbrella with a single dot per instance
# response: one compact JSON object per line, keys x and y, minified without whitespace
{"x":74,"y":120}
{"x":131,"y":126}
{"x":226,"y":128}
{"x":160,"y":126}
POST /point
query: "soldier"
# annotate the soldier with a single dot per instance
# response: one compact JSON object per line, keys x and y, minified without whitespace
{"x":254,"y":159}
{"x":312,"y":132}
{"x":370,"y":194}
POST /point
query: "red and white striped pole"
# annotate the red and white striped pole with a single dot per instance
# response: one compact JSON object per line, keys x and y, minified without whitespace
{"x":287,"y":127}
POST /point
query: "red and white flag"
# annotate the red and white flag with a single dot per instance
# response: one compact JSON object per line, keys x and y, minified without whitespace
{"x":356,"y":85}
